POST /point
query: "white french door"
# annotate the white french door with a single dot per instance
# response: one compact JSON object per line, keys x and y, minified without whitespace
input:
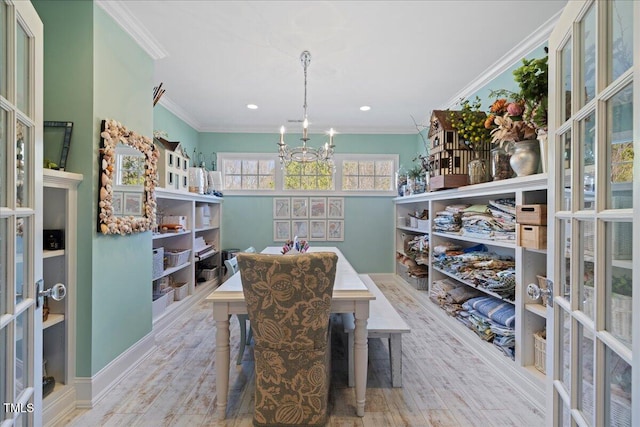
{"x":21,"y":67}
{"x":595,"y":229}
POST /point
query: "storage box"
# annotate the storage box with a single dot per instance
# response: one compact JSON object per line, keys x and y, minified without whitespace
{"x":540,"y":352}
{"x":159,"y":305}
{"x":176,"y":257}
{"x":441,"y":182}
{"x":532,"y":236}
{"x":158,"y":262}
{"x":531,"y":214}
{"x":203,"y":216}
{"x":181,"y":290}
{"x":424,"y":224}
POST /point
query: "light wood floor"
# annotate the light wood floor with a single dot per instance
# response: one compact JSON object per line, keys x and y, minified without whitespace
{"x":444,"y":382}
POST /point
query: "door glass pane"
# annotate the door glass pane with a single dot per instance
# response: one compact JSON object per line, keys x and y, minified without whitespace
{"x":618,"y":406}
{"x":564,"y":352}
{"x":3,"y":266}
{"x":565,"y":267}
{"x":618,"y":279}
{"x":22,"y":69}
{"x":4,"y":346}
{"x":585,"y":364}
{"x":588,"y":69}
{"x":587,"y":294}
{"x":588,"y":159}
{"x":3,"y":51}
{"x":621,"y":40}
{"x":22,"y":262}
{"x":22,"y":363}
{"x":566,"y":174}
{"x":22,"y":164}
{"x":3,"y":157}
{"x":620,"y":141}
{"x":565,"y":66}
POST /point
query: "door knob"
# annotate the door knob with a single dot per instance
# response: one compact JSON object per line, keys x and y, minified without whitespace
{"x":57,"y":292}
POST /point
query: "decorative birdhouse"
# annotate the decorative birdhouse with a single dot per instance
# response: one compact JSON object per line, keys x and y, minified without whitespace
{"x":449,"y":153}
{"x":173,"y":165}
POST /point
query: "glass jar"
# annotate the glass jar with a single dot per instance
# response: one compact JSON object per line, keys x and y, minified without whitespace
{"x":500,"y":167}
{"x":478,"y":171}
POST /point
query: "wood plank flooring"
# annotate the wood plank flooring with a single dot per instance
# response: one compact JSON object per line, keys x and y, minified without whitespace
{"x":445,"y":383}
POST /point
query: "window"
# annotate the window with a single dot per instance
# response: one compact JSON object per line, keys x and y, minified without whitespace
{"x":367,"y":175}
{"x":249,"y":172}
{"x":355,"y":174}
{"x":308,"y":176}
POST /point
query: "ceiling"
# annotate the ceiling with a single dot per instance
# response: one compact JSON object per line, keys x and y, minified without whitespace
{"x":401,"y":58}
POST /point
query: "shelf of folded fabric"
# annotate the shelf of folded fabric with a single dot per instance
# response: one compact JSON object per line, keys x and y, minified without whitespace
{"x":501,"y":243}
{"x":473,"y":285}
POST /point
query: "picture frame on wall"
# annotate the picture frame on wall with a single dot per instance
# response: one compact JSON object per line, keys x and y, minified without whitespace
{"x":281,"y":208}
{"x":318,"y":229}
{"x":299,"y":207}
{"x":133,"y":204}
{"x":281,"y":230}
{"x":300,"y":229}
{"x":335,"y":207}
{"x":317,"y":207}
{"x":335,"y":230}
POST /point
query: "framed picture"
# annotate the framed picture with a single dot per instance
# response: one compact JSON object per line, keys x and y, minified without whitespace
{"x":281,"y":231}
{"x":54,"y":130}
{"x":299,"y":207}
{"x":335,"y":230}
{"x":116,"y":203}
{"x":281,"y":208}
{"x":300,"y":229}
{"x":132,"y":204}
{"x":318,"y":229}
{"x":335,"y":207}
{"x":317,"y":207}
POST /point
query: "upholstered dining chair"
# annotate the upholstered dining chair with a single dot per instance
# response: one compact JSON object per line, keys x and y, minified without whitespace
{"x":288,"y":300}
{"x":245,"y":337}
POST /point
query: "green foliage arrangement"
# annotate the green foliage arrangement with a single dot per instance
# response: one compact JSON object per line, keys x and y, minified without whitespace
{"x":469,"y":123}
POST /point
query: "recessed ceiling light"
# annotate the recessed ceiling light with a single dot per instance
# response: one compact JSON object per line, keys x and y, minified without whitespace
{"x":365,"y":108}
{"x":252,"y":106}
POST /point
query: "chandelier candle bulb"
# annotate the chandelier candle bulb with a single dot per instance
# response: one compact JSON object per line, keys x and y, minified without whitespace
{"x":281,"y":135}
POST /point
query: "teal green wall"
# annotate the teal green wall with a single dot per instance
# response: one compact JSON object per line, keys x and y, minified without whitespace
{"x":123,"y":82}
{"x":94,"y":70}
{"x":369,"y":241}
{"x":176,"y":129}
{"x":68,"y":96}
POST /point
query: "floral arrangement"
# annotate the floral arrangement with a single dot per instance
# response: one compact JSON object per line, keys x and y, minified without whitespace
{"x":506,"y":122}
{"x":469,"y":123}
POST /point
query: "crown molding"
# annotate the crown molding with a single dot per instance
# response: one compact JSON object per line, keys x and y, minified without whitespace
{"x":348,"y":131}
{"x":179,"y":112}
{"x":535,"y":40}
{"x":119,"y":12}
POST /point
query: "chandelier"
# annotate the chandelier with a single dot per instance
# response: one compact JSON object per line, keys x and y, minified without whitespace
{"x":304,"y":153}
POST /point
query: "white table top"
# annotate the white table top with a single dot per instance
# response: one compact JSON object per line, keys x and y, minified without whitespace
{"x":347,"y":284}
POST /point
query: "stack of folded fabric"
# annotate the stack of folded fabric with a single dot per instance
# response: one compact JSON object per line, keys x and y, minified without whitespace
{"x":449,"y":220}
{"x":493,"y":320}
{"x":492,"y":222}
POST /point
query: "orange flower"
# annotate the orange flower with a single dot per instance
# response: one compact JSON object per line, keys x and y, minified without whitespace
{"x":499,"y":106}
{"x":488,"y":124}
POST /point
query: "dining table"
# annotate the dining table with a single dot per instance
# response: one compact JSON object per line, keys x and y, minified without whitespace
{"x":350,"y":295}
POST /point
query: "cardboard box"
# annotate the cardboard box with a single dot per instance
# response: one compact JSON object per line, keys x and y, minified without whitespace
{"x":531,"y":214}
{"x":532,"y":236}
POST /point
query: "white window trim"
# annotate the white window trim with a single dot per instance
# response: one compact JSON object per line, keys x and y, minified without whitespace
{"x":279,"y":179}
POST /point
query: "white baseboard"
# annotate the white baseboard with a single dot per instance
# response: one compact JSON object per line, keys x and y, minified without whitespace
{"x":90,"y":390}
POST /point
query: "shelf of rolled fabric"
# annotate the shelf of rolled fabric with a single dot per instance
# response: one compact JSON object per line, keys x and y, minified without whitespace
{"x":478,"y":287}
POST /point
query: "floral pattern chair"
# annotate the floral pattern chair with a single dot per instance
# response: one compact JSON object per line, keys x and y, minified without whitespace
{"x":289,"y":304}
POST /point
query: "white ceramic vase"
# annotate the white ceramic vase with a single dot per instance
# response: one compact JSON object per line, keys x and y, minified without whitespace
{"x":525,"y":157}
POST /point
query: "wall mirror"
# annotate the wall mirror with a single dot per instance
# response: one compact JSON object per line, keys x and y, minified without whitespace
{"x":127,"y":180}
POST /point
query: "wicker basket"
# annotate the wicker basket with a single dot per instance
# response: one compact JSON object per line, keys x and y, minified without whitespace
{"x":540,"y":352}
{"x":181,"y":290}
{"x":209,"y":273}
{"x":158,"y":262}
{"x":176,"y":257}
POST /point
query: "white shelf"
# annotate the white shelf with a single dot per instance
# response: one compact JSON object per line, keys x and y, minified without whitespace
{"x":170,"y":270}
{"x":52,"y":254}
{"x":500,"y":243}
{"x":412,"y":229}
{"x":53,"y":319}
{"x":213,"y":227}
{"x":537,"y":309}
{"x":158,"y":236}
